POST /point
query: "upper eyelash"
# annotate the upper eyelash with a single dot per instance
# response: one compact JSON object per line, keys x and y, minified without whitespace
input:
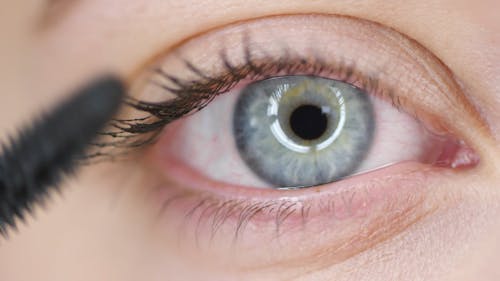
{"x":195,"y":94}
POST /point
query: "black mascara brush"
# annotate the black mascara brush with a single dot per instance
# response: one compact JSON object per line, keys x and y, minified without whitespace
{"x":36,"y":160}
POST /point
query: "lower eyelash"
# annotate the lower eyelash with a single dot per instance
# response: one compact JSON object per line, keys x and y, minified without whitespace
{"x":217,"y":211}
{"x":207,"y":216}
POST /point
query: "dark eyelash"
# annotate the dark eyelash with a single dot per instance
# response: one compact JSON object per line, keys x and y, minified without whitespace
{"x":193,"y":95}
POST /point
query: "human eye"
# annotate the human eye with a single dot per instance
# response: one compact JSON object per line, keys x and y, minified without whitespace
{"x":238,"y":159}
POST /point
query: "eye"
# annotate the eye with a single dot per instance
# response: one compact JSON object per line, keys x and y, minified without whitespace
{"x":244,"y":118}
{"x":299,"y":131}
{"x":302,"y":131}
{"x":291,"y":114}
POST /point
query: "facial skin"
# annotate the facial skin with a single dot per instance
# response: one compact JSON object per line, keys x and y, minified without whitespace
{"x":103,"y":225}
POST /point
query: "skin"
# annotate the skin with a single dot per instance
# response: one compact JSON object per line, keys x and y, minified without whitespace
{"x":102,"y":228}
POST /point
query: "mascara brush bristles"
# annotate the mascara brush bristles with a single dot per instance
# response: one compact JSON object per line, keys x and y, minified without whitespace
{"x":35,"y":162}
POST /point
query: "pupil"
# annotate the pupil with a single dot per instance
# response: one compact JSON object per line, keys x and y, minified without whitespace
{"x":308,"y":122}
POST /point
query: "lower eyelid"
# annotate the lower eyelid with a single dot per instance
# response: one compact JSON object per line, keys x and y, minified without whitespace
{"x":353,"y":215}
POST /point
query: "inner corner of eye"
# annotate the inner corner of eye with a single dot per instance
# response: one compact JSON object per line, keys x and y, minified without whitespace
{"x":455,"y":154}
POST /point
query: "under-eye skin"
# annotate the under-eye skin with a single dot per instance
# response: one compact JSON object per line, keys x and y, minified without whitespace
{"x":211,"y":192}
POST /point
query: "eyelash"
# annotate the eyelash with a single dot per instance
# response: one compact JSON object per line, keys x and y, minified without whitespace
{"x":216,"y":212}
{"x":194,"y":95}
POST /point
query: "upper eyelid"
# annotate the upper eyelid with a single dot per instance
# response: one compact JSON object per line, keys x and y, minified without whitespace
{"x":264,"y":68}
{"x":439,"y":73}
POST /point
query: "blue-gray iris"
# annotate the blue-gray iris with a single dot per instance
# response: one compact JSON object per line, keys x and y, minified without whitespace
{"x":301,"y":131}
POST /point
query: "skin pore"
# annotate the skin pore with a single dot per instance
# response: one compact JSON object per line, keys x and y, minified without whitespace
{"x":102,"y":226}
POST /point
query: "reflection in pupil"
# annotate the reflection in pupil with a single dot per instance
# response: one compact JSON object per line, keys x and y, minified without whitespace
{"x":308,"y":122}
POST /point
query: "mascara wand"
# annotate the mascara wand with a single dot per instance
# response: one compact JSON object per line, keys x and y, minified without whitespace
{"x":36,"y":161}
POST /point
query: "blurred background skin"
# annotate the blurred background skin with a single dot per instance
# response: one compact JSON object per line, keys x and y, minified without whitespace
{"x":41,"y":59}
